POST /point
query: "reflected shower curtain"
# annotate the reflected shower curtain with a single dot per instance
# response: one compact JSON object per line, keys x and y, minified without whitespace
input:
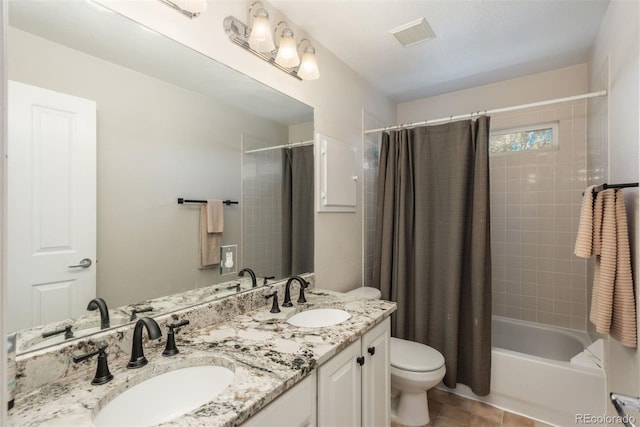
{"x":297,"y":210}
{"x":432,"y":253}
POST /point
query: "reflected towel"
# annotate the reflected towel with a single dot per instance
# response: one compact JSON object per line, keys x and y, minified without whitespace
{"x":209,"y":243}
{"x":215,"y":216}
{"x":613,"y":302}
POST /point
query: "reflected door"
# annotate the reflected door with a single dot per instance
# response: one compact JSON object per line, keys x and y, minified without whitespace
{"x":51,"y":210}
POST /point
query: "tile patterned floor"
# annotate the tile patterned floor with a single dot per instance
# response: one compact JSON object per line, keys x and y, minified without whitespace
{"x":450,"y":410}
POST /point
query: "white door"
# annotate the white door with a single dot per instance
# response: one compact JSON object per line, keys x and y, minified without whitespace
{"x":339,"y":394}
{"x":51,"y":205}
{"x":376,"y":377}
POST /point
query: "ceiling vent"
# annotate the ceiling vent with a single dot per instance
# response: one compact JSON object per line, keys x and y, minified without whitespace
{"x":413,"y":32}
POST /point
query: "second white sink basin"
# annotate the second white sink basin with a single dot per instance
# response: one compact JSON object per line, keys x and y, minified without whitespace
{"x":165,"y":397}
{"x":319,"y":317}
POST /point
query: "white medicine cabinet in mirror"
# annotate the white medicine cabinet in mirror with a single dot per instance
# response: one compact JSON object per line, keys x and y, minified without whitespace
{"x":167,"y":123}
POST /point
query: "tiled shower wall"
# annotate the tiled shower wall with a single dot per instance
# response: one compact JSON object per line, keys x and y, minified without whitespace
{"x":535,"y":206}
{"x":597,"y":159}
{"x":261,"y":208}
{"x":370,"y":163}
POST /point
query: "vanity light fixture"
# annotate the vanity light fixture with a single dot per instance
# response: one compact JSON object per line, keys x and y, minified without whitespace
{"x":257,"y":38}
{"x":189,"y":8}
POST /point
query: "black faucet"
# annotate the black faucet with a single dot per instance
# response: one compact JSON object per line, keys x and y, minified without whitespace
{"x":274,"y":306}
{"x":266,"y":278}
{"x":254,"y":283}
{"x":102,"y":375}
{"x":100,"y":304}
{"x":287,"y":291}
{"x":236,"y":287}
{"x":137,"y":355}
{"x":68,"y":333}
{"x":135,"y":311}
{"x":170,"y":349}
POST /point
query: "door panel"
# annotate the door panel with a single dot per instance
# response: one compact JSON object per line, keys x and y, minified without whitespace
{"x":51,"y":205}
{"x":339,"y":394}
{"x":376,"y":377}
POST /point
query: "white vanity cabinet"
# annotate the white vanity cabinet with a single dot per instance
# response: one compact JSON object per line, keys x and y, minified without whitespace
{"x":351,"y":389}
{"x":295,"y":408}
{"x":354,"y":386}
{"x":376,"y":377}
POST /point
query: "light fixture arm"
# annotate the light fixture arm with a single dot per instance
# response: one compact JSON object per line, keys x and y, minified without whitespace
{"x":233,"y":27}
{"x":185,"y":12}
{"x":253,"y":10}
{"x":280,"y":28}
{"x":308,"y":44}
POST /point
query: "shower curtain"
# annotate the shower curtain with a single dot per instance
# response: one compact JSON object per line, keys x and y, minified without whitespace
{"x":432,"y":249}
{"x":297,"y":210}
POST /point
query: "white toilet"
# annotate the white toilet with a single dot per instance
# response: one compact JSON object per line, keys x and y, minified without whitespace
{"x":415,"y":368}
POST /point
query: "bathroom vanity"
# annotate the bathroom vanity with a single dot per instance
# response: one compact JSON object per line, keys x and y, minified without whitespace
{"x":279,"y":370}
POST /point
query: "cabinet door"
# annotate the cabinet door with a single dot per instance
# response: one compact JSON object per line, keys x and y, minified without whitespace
{"x":295,"y":408}
{"x":376,"y":380}
{"x":339,"y":392}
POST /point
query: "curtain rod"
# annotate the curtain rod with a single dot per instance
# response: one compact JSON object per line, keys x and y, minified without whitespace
{"x":496,"y":110}
{"x":289,"y":145}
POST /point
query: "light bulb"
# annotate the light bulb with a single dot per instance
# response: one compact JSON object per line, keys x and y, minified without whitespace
{"x":287,"y":52}
{"x":261,"y":39}
{"x":309,"y":65}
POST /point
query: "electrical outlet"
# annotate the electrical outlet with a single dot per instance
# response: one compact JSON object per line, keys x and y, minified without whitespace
{"x":228,"y":259}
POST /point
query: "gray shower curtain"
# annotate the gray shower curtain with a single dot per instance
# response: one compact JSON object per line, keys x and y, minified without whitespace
{"x":432,"y":254}
{"x":297,"y":210}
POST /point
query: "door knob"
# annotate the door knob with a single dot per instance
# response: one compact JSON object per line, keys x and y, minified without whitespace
{"x":360,"y":360}
{"x":85,"y":263}
{"x":371,"y":350}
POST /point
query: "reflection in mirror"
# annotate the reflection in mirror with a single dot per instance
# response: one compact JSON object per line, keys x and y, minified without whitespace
{"x":169,"y":123}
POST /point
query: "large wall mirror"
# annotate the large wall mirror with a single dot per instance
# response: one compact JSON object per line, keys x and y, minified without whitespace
{"x":169,"y":123}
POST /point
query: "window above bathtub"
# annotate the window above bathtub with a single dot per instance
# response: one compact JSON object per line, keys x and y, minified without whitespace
{"x":524,"y":138}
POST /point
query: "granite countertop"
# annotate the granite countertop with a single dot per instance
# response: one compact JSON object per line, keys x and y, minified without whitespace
{"x":267,"y":354}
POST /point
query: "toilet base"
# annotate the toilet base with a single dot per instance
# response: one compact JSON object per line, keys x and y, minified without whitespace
{"x":410,"y":409}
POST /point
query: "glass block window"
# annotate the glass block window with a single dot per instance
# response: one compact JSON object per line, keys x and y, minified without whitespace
{"x":526,"y":138}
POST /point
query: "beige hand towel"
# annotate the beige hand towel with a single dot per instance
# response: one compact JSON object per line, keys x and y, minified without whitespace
{"x":215,"y":216}
{"x":584,"y":245}
{"x":605,"y":268}
{"x":623,"y":324}
{"x":209,"y":243}
{"x":613,"y":301}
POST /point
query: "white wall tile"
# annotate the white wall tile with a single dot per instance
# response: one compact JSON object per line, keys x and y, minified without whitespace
{"x":540,"y":194}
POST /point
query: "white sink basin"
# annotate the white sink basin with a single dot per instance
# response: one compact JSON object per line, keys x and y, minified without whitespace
{"x":319,"y":317}
{"x":165,"y":397}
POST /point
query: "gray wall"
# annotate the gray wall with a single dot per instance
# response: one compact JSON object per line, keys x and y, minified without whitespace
{"x":156,"y":142}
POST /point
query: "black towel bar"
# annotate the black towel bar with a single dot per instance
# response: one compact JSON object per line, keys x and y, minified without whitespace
{"x":182,"y":201}
{"x":606,"y":186}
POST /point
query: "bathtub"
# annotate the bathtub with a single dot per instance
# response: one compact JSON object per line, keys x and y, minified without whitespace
{"x":532,"y":373}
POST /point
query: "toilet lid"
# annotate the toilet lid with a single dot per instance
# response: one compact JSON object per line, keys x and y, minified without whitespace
{"x":365,"y":292}
{"x":413,"y":356}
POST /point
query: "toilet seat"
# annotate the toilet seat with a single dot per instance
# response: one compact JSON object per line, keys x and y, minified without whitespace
{"x":414,"y":357}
